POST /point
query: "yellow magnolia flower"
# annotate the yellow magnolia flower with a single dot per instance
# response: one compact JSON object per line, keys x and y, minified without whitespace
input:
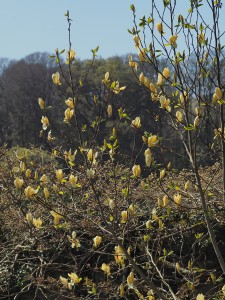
{"x":178,"y":267}
{"x":177,"y":199}
{"x":91,"y":156}
{"x":165,"y":200}
{"x":109,"y":110}
{"x":179,"y":116}
{"x":105,"y":268}
{"x":136,"y":40}
{"x":142,"y":78}
{"x":70,"y":55}
{"x":132,"y":63}
{"x":45,"y":122}
{"x":130,"y":280}
{"x":160,"y":79}
{"x":166,"y":73}
{"x":124,"y":215}
{"x":117,"y":89}
{"x":29,"y":218}
{"x":64,"y":281}
{"x":69,"y":156}
{"x":50,"y":137}
{"x":218,"y":93}
{"x":148,"y":157}
{"x":56,"y":78}
{"x":119,"y":255}
{"x":41,"y":103}
{"x":97,"y":241}
{"x":159,"y":27}
{"x":59,"y":175}
{"x":152,"y":141}
{"x":37,"y":222}
{"x":111,"y":204}
{"x":29,"y":192}
{"x":74,"y":278}
{"x":18,"y":182}
{"x":153,"y":88}
{"x":73,"y":180}
{"x":173,"y":40}
{"x":223,"y":290}
{"x":90,"y":173}
{"x":196,"y":121}
{"x":28,"y":173}
{"x":68,"y":115}
{"x":121,"y":290}
{"x":200,"y":297}
{"x":142,"y":55}
{"x":46,"y":193}
{"x":74,"y":240}
{"x":44,"y":179}
{"x":162,"y":174}
{"x":165,"y":103}
{"x":148,"y":224}
{"x":70,"y":103}
{"x":136,"y":170}
{"x":187,"y":185}
{"x":136,"y":123}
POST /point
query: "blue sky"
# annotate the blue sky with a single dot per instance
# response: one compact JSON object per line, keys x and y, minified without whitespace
{"x":27,"y":26}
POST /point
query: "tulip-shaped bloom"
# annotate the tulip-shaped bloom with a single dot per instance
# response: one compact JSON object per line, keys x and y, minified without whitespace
{"x":218,"y":93}
{"x":173,"y":40}
{"x":37,"y":222}
{"x":159,"y":27}
{"x":73,"y":180}
{"x":136,"y":170}
{"x":97,"y":241}
{"x":130,"y":280}
{"x":165,"y":200}
{"x":124,"y":215}
{"x":162,"y":174}
{"x":18,"y":182}
{"x":148,"y":224}
{"x":74,"y":278}
{"x":45,"y":122}
{"x":142,"y":78}
{"x":177,"y":199}
{"x":187,"y":185}
{"x":111,"y":204}
{"x":105,"y":268}
{"x":223,"y":290}
{"x":136,"y":123}
{"x":148,"y":157}
{"x":68,"y":115}
{"x":46,"y":193}
{"x":90,"y":173}
{"x":152,"y":141}
{"x":153,"y":88}
{"x":136,"y":40}
{"x":119,"y":255}
{"x":29,"y":218}
{"x":179,"y":116}
{"x":160,"y":79}
{"x":56,"y":78}
{"x":41,"y":103}
{"x":196,"y":121}
{"x":29,"y":192}
{"x":70,"y":103}
{"x":142,"y":55}
{"x":91,"y":156}
{"x":109,"y":110}
{"x":59,"y":175}
{"x":44,"y":179}
{"x":165,"y":103}
{"x":200,"y":297}
{"x":64,"y":282}
{"x":70,"y":56}
{"x":166,"y":73}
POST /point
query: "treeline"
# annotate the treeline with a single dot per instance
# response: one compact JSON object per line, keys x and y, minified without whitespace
{"x":23,"y":82}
